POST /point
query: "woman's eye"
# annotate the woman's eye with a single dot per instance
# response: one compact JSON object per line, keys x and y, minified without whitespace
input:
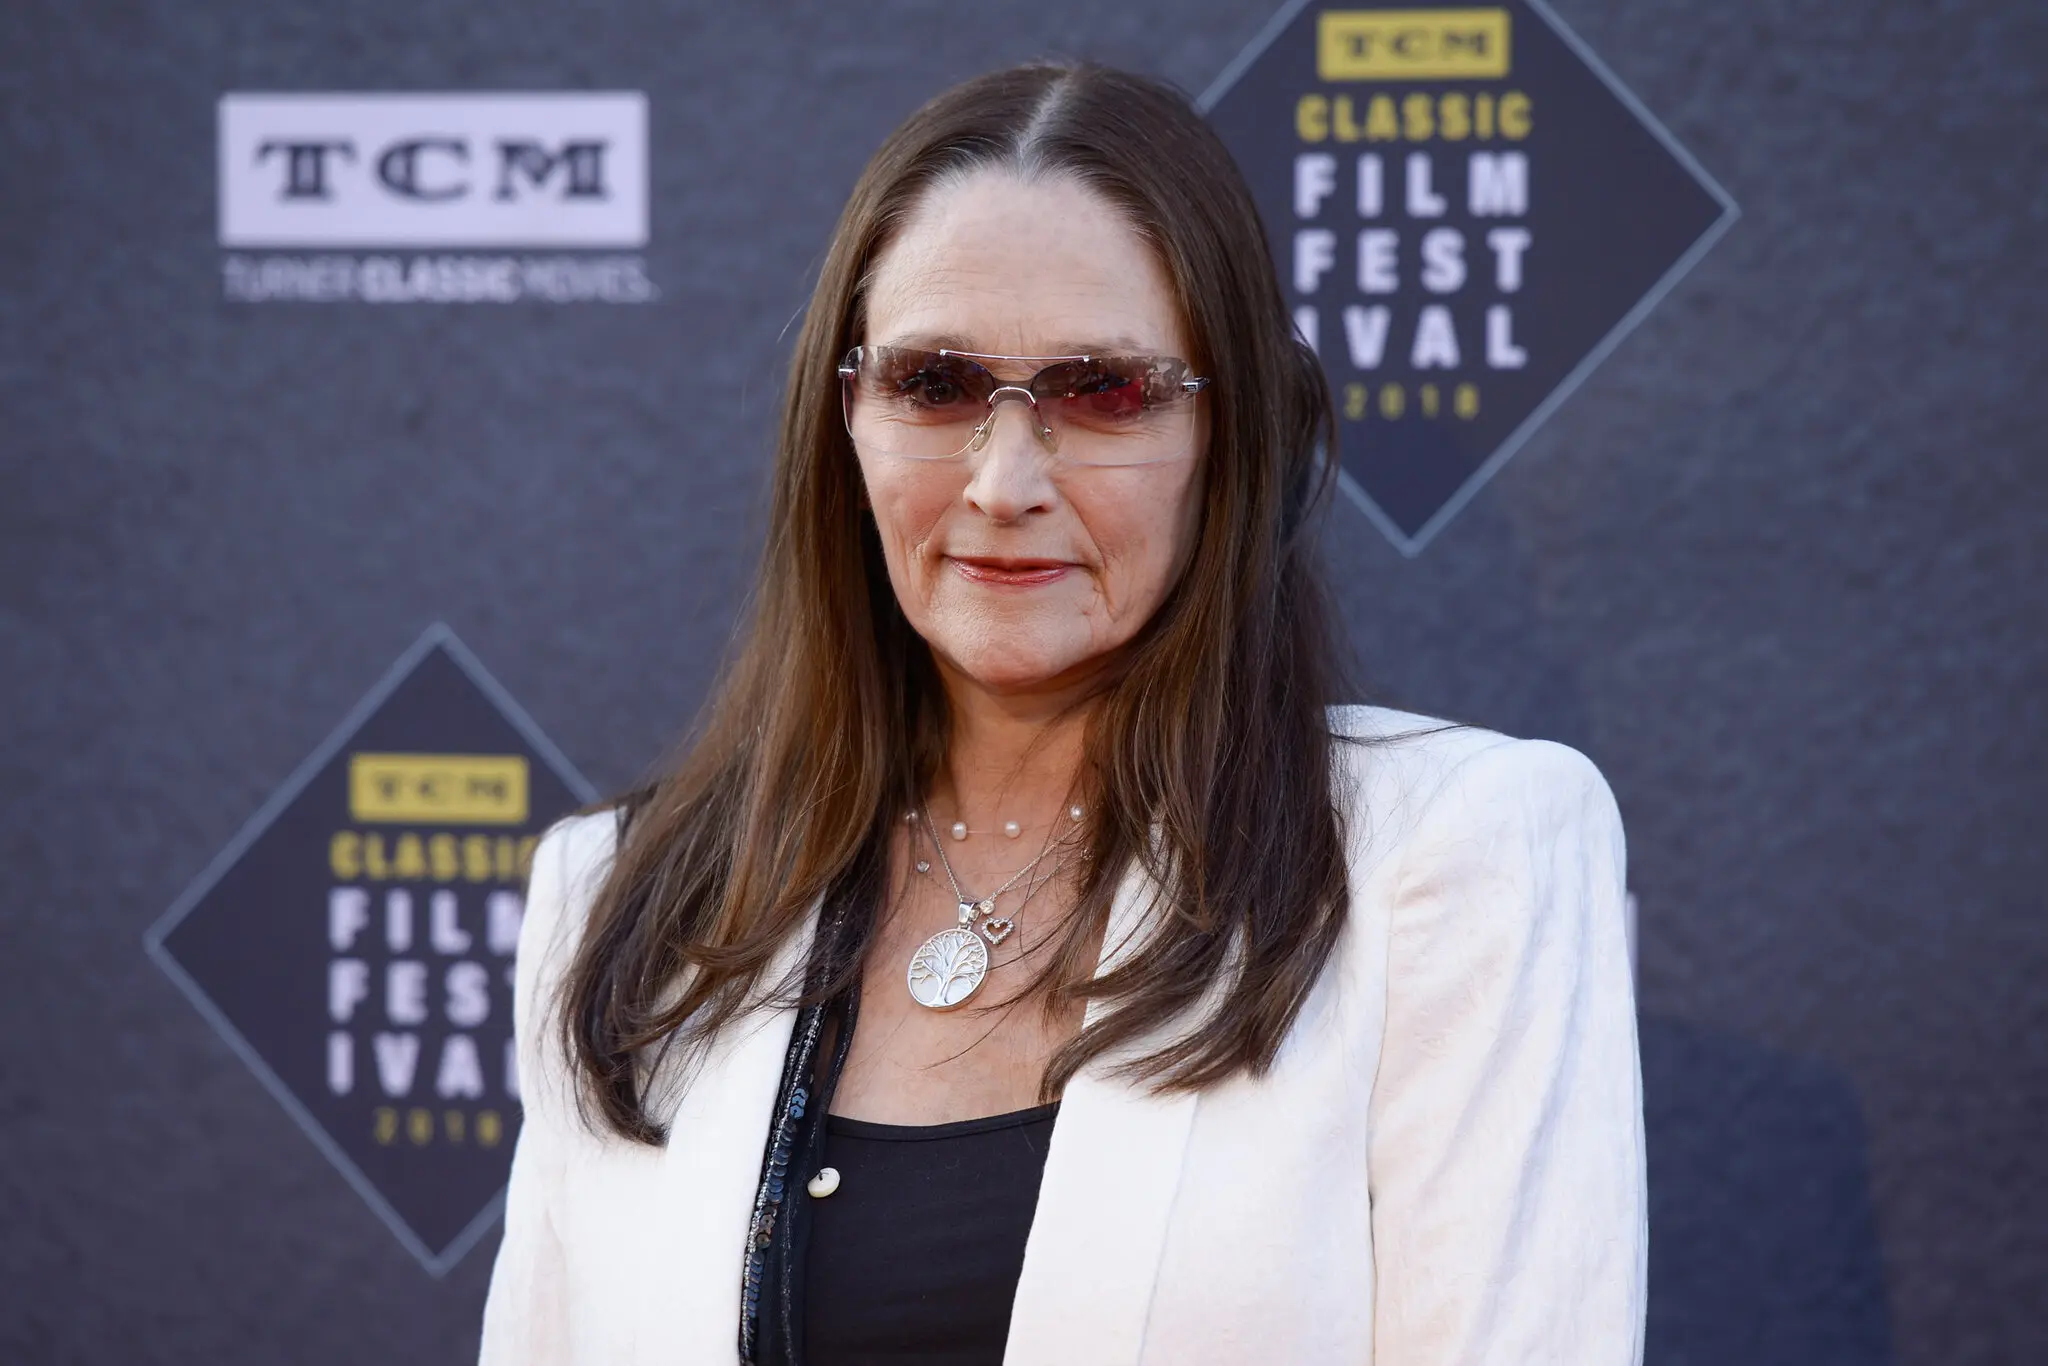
{"x":937,"y":390}
{"x":1107,"y":395}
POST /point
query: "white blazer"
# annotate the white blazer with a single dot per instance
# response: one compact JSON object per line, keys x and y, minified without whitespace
{"x":1444,"y":1166}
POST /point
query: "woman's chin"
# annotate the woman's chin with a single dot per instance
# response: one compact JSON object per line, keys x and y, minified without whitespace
{"x":1017,"y":667}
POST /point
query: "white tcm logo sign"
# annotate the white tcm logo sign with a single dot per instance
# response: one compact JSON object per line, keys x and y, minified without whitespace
{"x":540,"y":171}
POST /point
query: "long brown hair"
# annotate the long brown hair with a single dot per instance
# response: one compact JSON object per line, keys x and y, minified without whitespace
{"x":1208,"y":758}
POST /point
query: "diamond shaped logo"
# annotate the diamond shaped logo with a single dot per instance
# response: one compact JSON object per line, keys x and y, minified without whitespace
{"x":354,"y":943}
{"x":1468,"y":212}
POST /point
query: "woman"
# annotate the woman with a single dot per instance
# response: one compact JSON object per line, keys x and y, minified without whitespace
{"x":1023,"y":964}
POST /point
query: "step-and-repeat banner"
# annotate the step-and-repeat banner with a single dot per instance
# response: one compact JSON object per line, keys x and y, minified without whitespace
{"x":395,"y":387}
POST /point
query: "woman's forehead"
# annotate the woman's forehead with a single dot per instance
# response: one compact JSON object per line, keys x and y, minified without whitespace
{"x":996,"y":263}
{"x":1094,"y":344}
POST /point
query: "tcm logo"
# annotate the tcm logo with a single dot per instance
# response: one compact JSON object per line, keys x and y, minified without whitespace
{"x":483,"y":789}
{"x":456,"y":170}
{"x":1412,"y":44}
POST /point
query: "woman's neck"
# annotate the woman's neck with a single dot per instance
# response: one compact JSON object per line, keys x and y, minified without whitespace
{"x":1010,"y":757}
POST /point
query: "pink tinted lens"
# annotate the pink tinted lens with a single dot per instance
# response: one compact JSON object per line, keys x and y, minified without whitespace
{"x":1099,"y":392}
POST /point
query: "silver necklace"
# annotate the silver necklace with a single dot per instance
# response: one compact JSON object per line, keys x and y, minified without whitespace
{"x":950,"y":966}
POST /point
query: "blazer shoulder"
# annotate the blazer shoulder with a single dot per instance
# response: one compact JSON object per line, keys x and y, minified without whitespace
{"x":1542,"y":775}
{"x":1398,"y":768}
{"x":1411,"y":735}
{"x":569,"y":866}
{"x":1423,"y":747}
{"x":1387,"y":758}
{"x":576,"y":851}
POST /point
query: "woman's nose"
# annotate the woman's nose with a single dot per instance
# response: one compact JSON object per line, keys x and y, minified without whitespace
{"x":1012,"y":471}
{"x":1023,"y":398}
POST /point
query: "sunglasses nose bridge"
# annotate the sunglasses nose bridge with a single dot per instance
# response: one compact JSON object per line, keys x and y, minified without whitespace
{"x":1047,"y":437}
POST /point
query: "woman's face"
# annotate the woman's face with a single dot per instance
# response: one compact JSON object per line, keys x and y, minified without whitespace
{"x":1025,"y":574}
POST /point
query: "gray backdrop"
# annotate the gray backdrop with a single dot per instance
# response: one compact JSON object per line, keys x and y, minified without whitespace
{"x":1776,"y":568}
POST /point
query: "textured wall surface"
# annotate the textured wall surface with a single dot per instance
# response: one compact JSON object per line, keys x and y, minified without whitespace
{"x":1777,"y":568}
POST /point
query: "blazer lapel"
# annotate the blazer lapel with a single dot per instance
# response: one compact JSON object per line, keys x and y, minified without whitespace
{"x":1111,"y":1174}
{"x":689,"y":1307}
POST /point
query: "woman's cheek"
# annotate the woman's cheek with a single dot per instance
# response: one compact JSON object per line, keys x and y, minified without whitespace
{"x":1134,"y":557}
{"x":1160,"y":542}
{"x":903,"y":532}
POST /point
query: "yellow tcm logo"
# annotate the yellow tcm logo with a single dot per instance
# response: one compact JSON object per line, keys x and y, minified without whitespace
{"x":461,"y":789}
{"x":1412,"y":44}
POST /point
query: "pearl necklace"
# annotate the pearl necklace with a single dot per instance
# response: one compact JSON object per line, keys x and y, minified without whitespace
{"x":959,"y":831}
{"x":950,"y":966}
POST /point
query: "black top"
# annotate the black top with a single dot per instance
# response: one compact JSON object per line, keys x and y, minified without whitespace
{"x":915,"y":1257}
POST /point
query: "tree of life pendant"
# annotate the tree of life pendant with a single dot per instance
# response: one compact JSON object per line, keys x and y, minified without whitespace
{"x":948,"y":968}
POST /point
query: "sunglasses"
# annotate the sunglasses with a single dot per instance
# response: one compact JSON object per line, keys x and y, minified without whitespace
{"x":1084,"y":410}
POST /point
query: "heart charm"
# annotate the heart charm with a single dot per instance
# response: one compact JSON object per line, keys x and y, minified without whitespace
{"x":996,"y":928}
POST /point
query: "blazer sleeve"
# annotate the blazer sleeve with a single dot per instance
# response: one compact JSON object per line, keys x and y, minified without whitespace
{"x":1506,"y":1153}
{"x":526,"y":1312}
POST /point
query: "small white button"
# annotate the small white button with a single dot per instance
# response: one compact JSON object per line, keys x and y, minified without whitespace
{"x":824,"y":1183}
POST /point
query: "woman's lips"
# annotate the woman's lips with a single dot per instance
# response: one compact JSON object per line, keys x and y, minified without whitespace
{"x":1009,"y":573}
